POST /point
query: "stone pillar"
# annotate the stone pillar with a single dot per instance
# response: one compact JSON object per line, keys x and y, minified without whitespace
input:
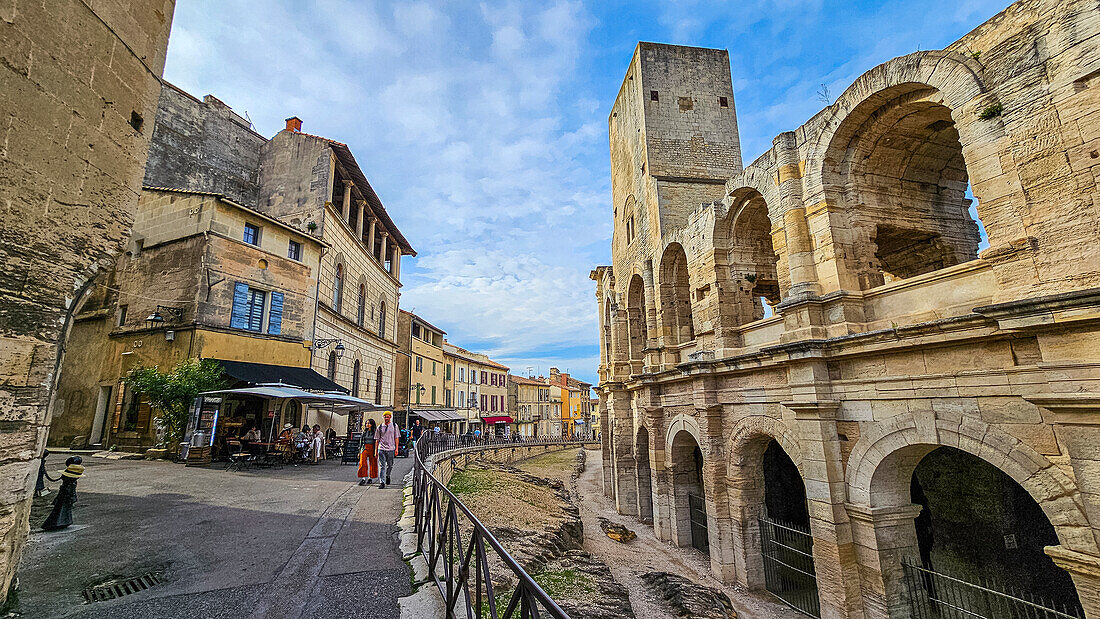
{"x":626,"y":488}
{"x":620,"y":343}
{"x":370,"y":235}
{"x":652,"y":341}
{"x":359,"y":219}
{"x":395,"y":262}
{"x":345,"y":209}
{"x":884,"y":537}
{"x":834,"y":552}
{"x":1084,"y":569}
{"x":799,"y":248}
{"x":605,"y":443}
{"x":382,"y":251}
{"x":1077,"y":425}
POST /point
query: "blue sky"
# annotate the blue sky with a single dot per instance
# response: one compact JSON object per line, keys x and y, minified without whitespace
{"x":483,"y":125}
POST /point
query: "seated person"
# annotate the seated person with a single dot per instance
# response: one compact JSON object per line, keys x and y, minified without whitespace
{"x":253,"y":435}
{"x":287,"y":434}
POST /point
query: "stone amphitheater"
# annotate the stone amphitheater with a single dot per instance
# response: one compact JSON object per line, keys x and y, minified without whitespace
{"x":820,"y":371}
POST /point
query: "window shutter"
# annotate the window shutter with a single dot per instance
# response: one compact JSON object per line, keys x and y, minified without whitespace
{"x":275,"y":316}
{"x":239,"y":317}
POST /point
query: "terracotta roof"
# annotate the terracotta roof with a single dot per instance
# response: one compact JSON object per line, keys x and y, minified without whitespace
{"x":521,"y":380}
{"x":425,"y":322}
{"x":343,"y":153}
{"x":466,"y":355}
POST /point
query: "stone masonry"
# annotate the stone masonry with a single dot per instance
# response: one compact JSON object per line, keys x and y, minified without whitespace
{"x":828,"y":302}
{"x":78,"y":85}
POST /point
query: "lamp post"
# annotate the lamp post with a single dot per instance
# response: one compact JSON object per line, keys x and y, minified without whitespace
{"x":322,"y":343}
{"x":156,"y":319}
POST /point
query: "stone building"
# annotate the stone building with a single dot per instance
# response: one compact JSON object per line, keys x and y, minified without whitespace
{"x":228,"y":283}
{"x":480,"y":390}
{"x":574,"y":400}
{"x":78,"y":85}
{"x":422,"y":378}
{"x":913,"y":403}
{"x":529,"y":401}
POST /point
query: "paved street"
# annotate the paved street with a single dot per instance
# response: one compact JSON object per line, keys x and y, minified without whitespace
{"x":301,"y":541}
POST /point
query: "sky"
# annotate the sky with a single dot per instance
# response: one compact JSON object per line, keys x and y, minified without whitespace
{"x":482,"y":126}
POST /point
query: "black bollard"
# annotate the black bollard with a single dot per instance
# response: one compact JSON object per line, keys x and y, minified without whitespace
{"x":62,"y":514}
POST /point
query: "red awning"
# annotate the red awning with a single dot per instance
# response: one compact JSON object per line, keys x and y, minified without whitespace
{"x":502,"y":419}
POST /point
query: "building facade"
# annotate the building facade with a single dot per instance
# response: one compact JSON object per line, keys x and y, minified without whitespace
{"x":421,"y":377}
{"x":78,"y":101}
{"x":529,"y":403}
{"x":480,"y":390}
{"x":228,"y":282}
{"x":913,"y":403}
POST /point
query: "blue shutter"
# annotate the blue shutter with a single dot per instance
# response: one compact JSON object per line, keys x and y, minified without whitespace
{"x":238,"y":319}
{"x":275,"y":317}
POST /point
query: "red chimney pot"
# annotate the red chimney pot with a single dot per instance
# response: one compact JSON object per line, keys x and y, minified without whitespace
{"x":294,"y":124}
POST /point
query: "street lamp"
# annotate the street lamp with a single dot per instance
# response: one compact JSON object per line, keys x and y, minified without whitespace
{"x":325,"y":343}
{"x":156,"y":319}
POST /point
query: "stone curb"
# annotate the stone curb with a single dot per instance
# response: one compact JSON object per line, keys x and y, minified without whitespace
{"x":118,"y":455}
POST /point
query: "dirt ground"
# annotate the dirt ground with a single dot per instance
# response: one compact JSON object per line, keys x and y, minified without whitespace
{"x":646,"y":554}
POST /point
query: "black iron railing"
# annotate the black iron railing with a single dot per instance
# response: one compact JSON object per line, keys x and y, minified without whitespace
{"x":458,"y":548}
{"x":933,"y":595}
{"x":789,"y":572}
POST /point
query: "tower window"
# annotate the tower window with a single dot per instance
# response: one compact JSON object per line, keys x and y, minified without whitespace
{"x":653,"y":96}
{"x":723,"y":102}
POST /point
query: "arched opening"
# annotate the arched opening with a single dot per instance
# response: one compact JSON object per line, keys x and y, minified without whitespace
{"x":688,"y":493}
{"x":896,"y":165}
{"x":361,"y":313}
{"x":355,"y":379}
{"x":607,"y":332}
{"x":977,"y":525}
{"x":752,"y":260}
{"x":785,"y":540}
{"x":332,"y":366}
{"x":636,"y":319}
{"x":378,"y":386}
{"x":645,"y":477}
{"x":338,"y":288}
{"x":675,"y":295}
{"x":382,"y":319}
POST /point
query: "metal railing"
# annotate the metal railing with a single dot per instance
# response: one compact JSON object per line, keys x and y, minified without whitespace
{"x":453,"y":543}
{"x":937,"y":596}
{"x":789,"y":572}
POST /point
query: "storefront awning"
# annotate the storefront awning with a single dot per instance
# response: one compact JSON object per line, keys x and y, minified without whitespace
{"x":263,"y":373}
{"x":341,"y":404}
{"x":500,"y":419}
{"x":437,"y":414}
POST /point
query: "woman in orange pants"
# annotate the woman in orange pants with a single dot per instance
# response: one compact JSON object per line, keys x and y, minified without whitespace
{"x":368,"y":458}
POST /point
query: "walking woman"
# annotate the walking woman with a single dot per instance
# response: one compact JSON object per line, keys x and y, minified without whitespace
{"x":368,"y":458}
{"x":318,"y":444}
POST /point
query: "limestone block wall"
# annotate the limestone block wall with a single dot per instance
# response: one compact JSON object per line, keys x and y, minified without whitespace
{"x":892,"y":336}
{"x":80,"y":85}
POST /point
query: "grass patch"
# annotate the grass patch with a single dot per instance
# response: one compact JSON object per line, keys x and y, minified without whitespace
{"x":560,"y":585}
{"x":474,"y":481}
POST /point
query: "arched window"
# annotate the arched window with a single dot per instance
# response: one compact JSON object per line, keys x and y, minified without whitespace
{"x":382,"y":319}
{"x":338,"y":288}
{"x":362,"y":313}
{"x":675,"y":296}
{"x":378,"y":386}
{"x":332,"y":366}
{"x":355,"y":379}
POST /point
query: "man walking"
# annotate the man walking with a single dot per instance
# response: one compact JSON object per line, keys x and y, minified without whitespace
{"x":386,"y":436}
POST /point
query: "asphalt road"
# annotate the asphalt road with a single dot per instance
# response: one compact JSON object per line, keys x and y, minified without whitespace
{"x":299,"y":542}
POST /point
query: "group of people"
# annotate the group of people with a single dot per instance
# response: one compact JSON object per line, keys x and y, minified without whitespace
{"x":309,"y":443}
{"x":380,"y":444}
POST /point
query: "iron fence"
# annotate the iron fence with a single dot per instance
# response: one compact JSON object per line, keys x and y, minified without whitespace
{"x":457,"y":546}
{"x":789,"y":572}
{"x":933,"y":595}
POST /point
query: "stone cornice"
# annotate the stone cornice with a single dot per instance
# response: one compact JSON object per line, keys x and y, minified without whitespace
{"x":1075,"y":409}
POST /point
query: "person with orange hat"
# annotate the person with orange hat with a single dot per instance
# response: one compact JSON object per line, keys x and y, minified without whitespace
{"x":62,"y":514}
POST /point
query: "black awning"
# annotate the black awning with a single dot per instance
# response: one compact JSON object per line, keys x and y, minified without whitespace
{"x":263,"y":373}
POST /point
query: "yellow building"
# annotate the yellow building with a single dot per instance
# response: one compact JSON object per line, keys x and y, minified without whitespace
{"x":480,"y":390}
{"x":204,"y":278}
{"x":422,"y":376}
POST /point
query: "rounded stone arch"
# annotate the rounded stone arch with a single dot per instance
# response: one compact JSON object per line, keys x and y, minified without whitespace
{"x":750,"y":436}
{"x":628,"y":218}
{"x":337,"y":289}
{"x":687,"y":424}
{"x":637,"y":319}
{"x":674,"y":294}
{"x":883,"y":460}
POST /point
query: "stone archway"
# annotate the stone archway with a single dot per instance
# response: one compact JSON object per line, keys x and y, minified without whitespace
{"x":675,"y":297}
{"x":881,"y":490}
{"x":689,"y":513}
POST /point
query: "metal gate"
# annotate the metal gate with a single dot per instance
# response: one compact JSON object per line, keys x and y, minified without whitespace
{"x":936,"y":596}
{"x":697,"y":514}
{"x":789,"y":565}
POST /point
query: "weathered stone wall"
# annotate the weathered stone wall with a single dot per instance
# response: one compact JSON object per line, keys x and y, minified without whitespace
{"x":891,"y":337}
{"x":79,"y":85}
{"x":203,"y":146}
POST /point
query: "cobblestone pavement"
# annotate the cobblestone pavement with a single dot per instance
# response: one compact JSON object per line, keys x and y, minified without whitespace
{"x":297,"y":542}
{"x":647,"y":554}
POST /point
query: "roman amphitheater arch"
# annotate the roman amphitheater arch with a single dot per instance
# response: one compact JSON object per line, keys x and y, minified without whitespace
{"x":674,"y":291}
{"x":881,"y":492}
{"x":645,"y":475}
{"x":637,"y":329}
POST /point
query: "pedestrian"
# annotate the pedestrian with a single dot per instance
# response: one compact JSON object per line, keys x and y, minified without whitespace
{"x":477,"y":435}
{"x":318,"y":444}
{"x":40,"y":486}
{"x":62,"y":514}
{"x":368,"y":458}
{"x":417,"y":430}
{"x":386,"y":434}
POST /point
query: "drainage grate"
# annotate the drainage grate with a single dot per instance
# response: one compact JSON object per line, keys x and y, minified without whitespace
{"x":118,"y":587}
